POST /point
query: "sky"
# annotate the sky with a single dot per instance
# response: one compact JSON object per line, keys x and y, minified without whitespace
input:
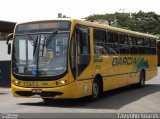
{"x":25,"y":10}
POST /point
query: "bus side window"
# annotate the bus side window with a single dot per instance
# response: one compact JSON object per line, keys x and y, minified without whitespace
{"x":133,"y":45}
{"x":99,"y":42}
{"x":112,"y":44}
{"x":124,"y":45}
{"x":140,"y":43}
{"x":153,"y":46}
{"x":83,"y":48}
{"x":147,"y":50}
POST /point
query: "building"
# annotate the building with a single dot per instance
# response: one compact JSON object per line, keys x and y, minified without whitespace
{"x":5,"y":28}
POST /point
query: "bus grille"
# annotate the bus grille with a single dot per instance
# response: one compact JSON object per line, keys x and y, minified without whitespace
{"x":43,"y":94}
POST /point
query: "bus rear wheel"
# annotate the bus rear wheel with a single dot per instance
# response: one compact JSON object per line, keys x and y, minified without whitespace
{"x":141,"y":83}
{"x":95,"y":90}
{"x":48,"y":100}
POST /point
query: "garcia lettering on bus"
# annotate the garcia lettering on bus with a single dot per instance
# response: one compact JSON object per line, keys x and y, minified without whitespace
{"x":124,"y":61}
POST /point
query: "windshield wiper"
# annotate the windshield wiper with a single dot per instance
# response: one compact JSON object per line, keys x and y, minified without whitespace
{"x":46,"y":43}
{"x":35,"y":46}
{"x":43,"y":46}
{"x":49,"y":39}
{"x":29,"y":38}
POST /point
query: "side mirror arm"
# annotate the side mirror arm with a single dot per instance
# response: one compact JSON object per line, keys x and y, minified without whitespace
{"x":9,"y":48}
{"x":9,"y":37}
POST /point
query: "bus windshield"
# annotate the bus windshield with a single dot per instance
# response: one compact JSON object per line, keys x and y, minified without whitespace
{"x":40,"y":54}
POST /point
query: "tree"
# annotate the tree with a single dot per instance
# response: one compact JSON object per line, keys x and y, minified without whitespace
{"x":3,"y":36}
{"x":146,"y":22}
{"x":141,"y":21}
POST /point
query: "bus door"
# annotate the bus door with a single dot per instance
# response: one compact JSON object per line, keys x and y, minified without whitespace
{"x":84,"y":74}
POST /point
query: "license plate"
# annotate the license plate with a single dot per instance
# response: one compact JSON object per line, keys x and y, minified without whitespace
{"x":37,"y":91}
{"x":31,"y":84}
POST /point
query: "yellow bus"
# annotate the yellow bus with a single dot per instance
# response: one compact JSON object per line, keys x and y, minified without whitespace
{"x":70,"y":58}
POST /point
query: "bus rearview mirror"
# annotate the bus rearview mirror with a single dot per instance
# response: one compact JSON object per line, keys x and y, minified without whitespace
{"x":9,"y":37}
{"x":9,"y":48}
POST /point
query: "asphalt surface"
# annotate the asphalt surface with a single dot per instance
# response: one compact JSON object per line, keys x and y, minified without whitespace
{"x":124,"y":100}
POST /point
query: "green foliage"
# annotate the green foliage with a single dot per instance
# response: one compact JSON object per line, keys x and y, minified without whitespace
{"x":141,"y":21}
{"x":3,"y":36}
{"x":158,"y":35}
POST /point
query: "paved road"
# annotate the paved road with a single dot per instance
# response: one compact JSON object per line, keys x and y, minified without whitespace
{"x":127,"y":99}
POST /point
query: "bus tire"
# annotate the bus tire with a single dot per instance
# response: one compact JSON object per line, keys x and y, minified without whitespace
{"x":48,"y":100}
{"x":95,"y":90}
{"x":141,"y":83}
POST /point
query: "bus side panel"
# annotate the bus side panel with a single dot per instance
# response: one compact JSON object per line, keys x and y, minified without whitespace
{"x":108,"y":72}
{"x":124,"y":70}
{"x":84,"y":88}
{"x":151,"y":71}
{"x":151,"y":74}
{"x":144,"y":62}
{"x":109,"y":83}
{"x":134,"y":71}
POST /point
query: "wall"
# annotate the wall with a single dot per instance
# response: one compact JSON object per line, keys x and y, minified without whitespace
{"x":5,"y":74}
{"x":4,"y":65}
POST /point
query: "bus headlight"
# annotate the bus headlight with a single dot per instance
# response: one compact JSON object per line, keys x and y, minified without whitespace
{"x":15,"y":82}
{"x":62,"y":82}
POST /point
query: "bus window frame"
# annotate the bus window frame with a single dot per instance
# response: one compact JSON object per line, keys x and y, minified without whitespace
{"x":89,"y":41}
{"x":104,"y":43}
{"x":127,"y":45}
{"x":132,"y":37}
{"x":117,"y":43}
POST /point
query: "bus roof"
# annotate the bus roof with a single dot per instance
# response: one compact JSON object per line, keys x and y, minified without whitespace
{"x":101,"y":26}
{"x":114,"y":29}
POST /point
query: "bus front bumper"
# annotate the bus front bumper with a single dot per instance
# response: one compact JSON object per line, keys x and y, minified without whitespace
{"x":62,"y":92}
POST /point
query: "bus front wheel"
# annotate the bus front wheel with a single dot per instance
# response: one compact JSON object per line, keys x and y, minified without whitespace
{"x":95,"y":90}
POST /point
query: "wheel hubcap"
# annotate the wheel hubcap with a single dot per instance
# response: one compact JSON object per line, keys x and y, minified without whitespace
{"x":142,"y":81}
{"x":95,"y":90}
